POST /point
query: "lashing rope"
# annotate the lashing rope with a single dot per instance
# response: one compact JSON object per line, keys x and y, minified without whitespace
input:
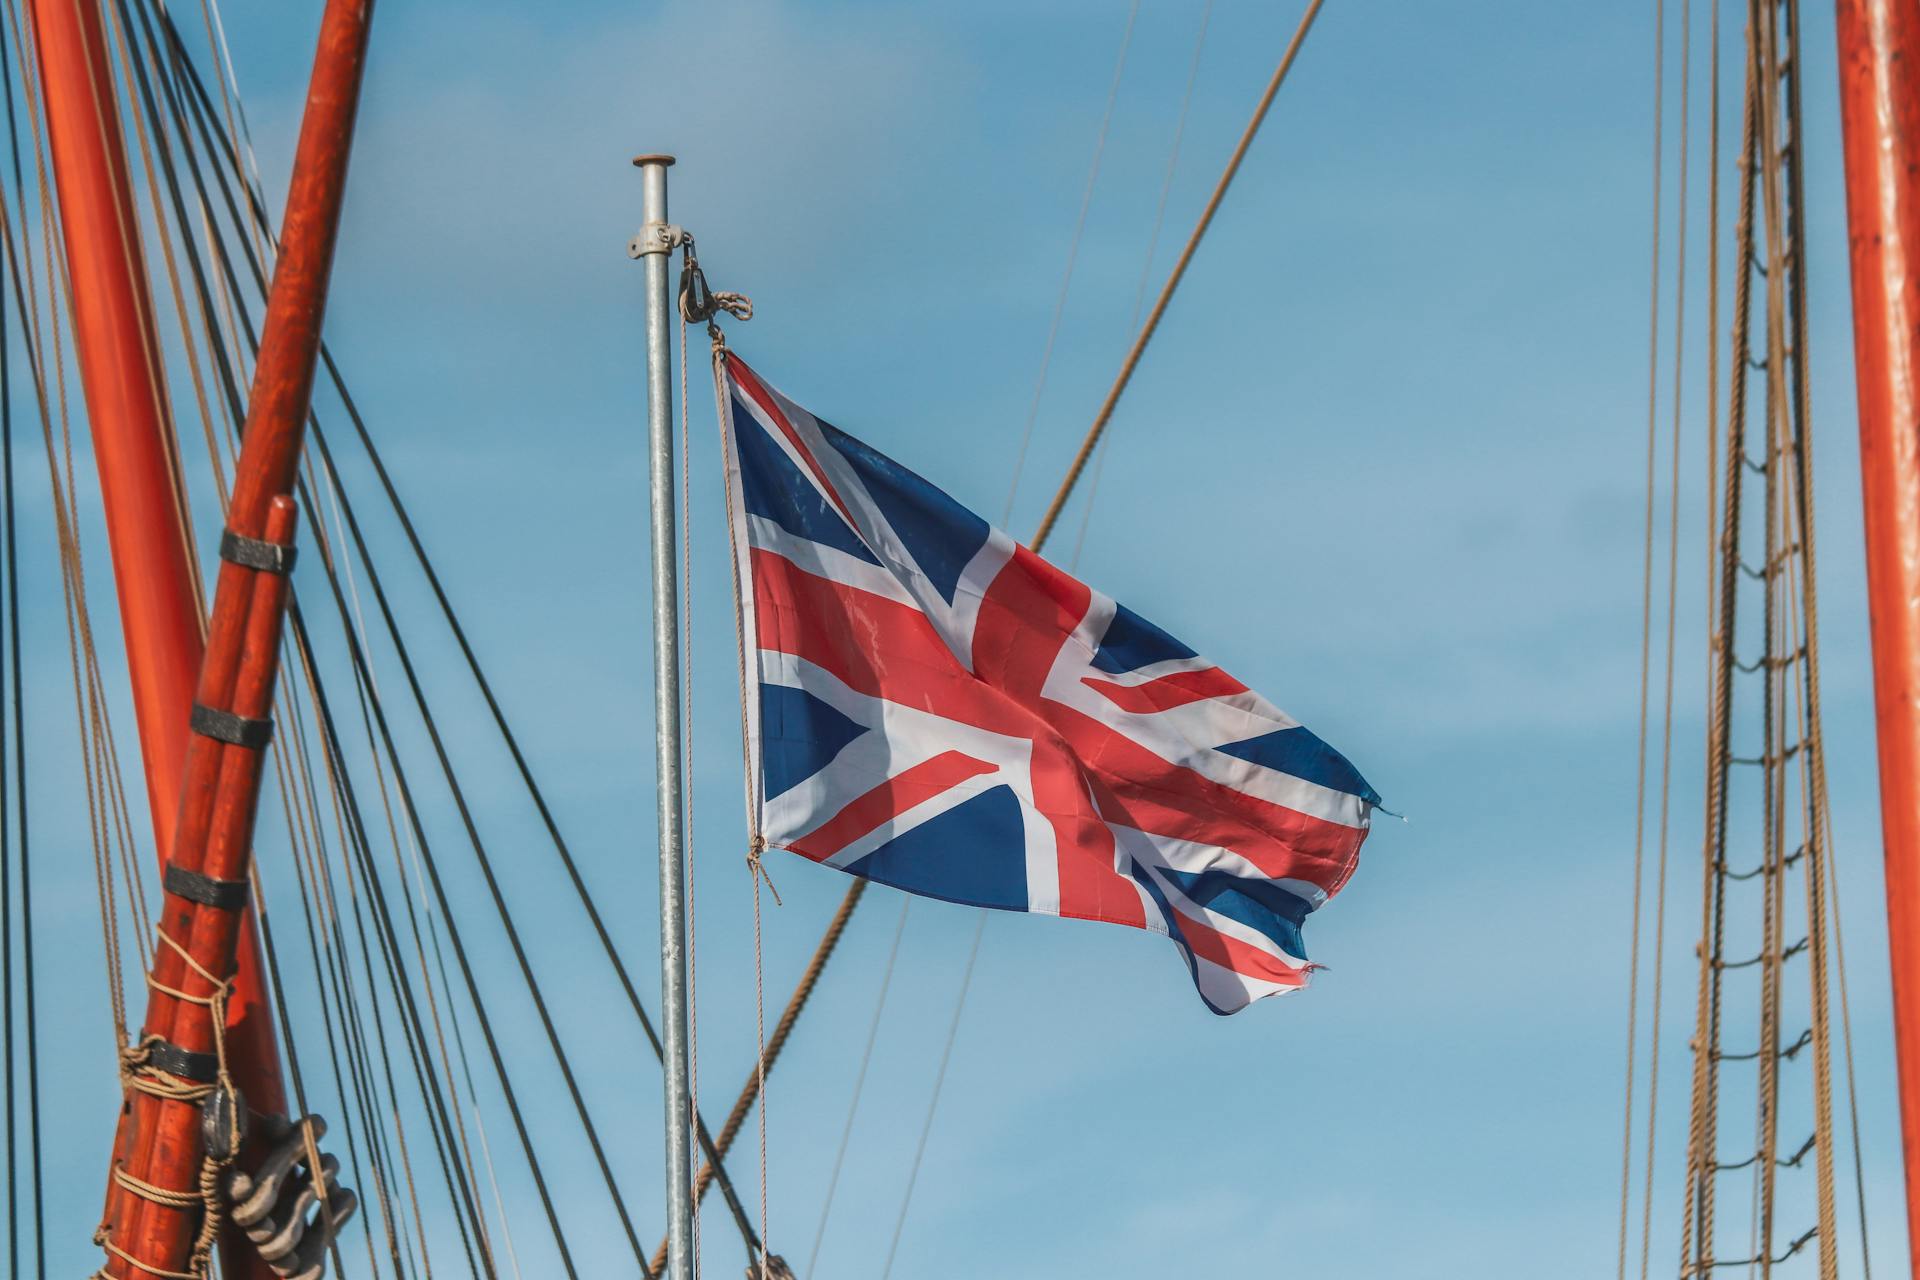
{"x":138,"y":1073}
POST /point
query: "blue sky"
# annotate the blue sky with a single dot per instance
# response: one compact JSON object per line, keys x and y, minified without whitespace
{"x":1384,"y":462}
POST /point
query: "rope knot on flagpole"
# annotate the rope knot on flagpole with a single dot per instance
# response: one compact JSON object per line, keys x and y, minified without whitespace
{"x":700,"y":303}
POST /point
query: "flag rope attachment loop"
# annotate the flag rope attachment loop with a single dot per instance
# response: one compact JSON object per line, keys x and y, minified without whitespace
{"x":699,"y":303}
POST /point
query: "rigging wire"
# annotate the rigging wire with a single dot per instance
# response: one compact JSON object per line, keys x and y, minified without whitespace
{"x":1791,"y":753}
{"x":859,"y":1083}
{"x":1673,"y":617}
{"x":121,"y":25}
{"x":483,"y":860}
{"x":438,"y":1112}
{"x":1071,"y":480}
{"x":1132,"y":361}
{"x":306,"y":860}
{"x":375,"y":881}
{"x":1073,"y":256}
{"x":10,"y":621}
{"x":11,"y":627}
{"x":203,"y":108}
{"x":19,"y":737}
{"x":451,"y":619}
{"x":1697,"y":1223}
{"x":20,"y":789}
{"x":217,"y":347}
{"x":933,"y":1103}
{"x":1006,"y":515}
{"x":1146,"y":263}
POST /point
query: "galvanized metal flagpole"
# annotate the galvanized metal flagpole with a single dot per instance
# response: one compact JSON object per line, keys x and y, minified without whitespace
{"x":652,"y":246}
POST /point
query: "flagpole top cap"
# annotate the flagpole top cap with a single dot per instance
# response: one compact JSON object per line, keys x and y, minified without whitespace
{"x":641,"y":162}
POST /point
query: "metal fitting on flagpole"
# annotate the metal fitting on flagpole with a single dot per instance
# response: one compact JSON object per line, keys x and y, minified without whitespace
{"x":657,"y":237}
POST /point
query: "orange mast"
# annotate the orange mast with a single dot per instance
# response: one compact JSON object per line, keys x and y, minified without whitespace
{"x":120,"y":370}
{"x":221,"y":787}
{"x":1879,"y":44}
{"x":202,"y":707}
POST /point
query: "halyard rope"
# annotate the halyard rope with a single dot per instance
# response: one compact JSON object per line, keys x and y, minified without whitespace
{"x":1646,"y":645}
{"x":692,"y":1118}
{"x":698,"y":304}
{"x":1673,"y":587}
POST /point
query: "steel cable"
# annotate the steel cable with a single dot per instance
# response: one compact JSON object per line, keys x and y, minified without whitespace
{"x":1179,"y":272}
{"x":1646,"y":641}
{"x":1146,"y":263}
{"x":198,"y":98}
{"x":1073,"y":256}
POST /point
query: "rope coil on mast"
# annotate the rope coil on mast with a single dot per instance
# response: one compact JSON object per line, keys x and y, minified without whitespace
{"x":154,"y":1067}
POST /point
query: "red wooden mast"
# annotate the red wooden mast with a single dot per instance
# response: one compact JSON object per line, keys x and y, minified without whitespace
{"x":1879,"y":43}
{"x":120,"y":370}
{"x":204,"y":789}
{"x":220,"y":793}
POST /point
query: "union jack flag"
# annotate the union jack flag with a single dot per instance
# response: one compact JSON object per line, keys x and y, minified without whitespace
{"x":939,"y":709}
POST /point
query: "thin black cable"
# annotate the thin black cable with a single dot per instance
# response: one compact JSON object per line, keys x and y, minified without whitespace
{"x":473,"y":989}
{"x":189,"y":242}
{"x":320,"y":976}
{"x":331,"y":970}
{"x":383,"y":920}
{"x":190,"y":76}
{"x":6,"y":840}
{"x":436,"y":1102}
{"x":19,"y":755}
{"x":705,"y":1138}
{"x":395,"y":961}
{"x":337,"y":970}
{"x":438,"y":1110}
{"x":457,"y":1191}
{"x":480,"y":855}
{"x":437,"y":1113}
{"x":228,"y":382}
{"x":162,"y":148}
{"x":286,"y":1034}
{"x":933,"y":1103}
{"x":202,"y":108}
{"x":413,"y":1031}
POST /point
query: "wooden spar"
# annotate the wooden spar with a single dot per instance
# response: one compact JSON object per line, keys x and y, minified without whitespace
{"x":219,"y":793}
{"x":120,"y":371}
{"x":1879,"y":46}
